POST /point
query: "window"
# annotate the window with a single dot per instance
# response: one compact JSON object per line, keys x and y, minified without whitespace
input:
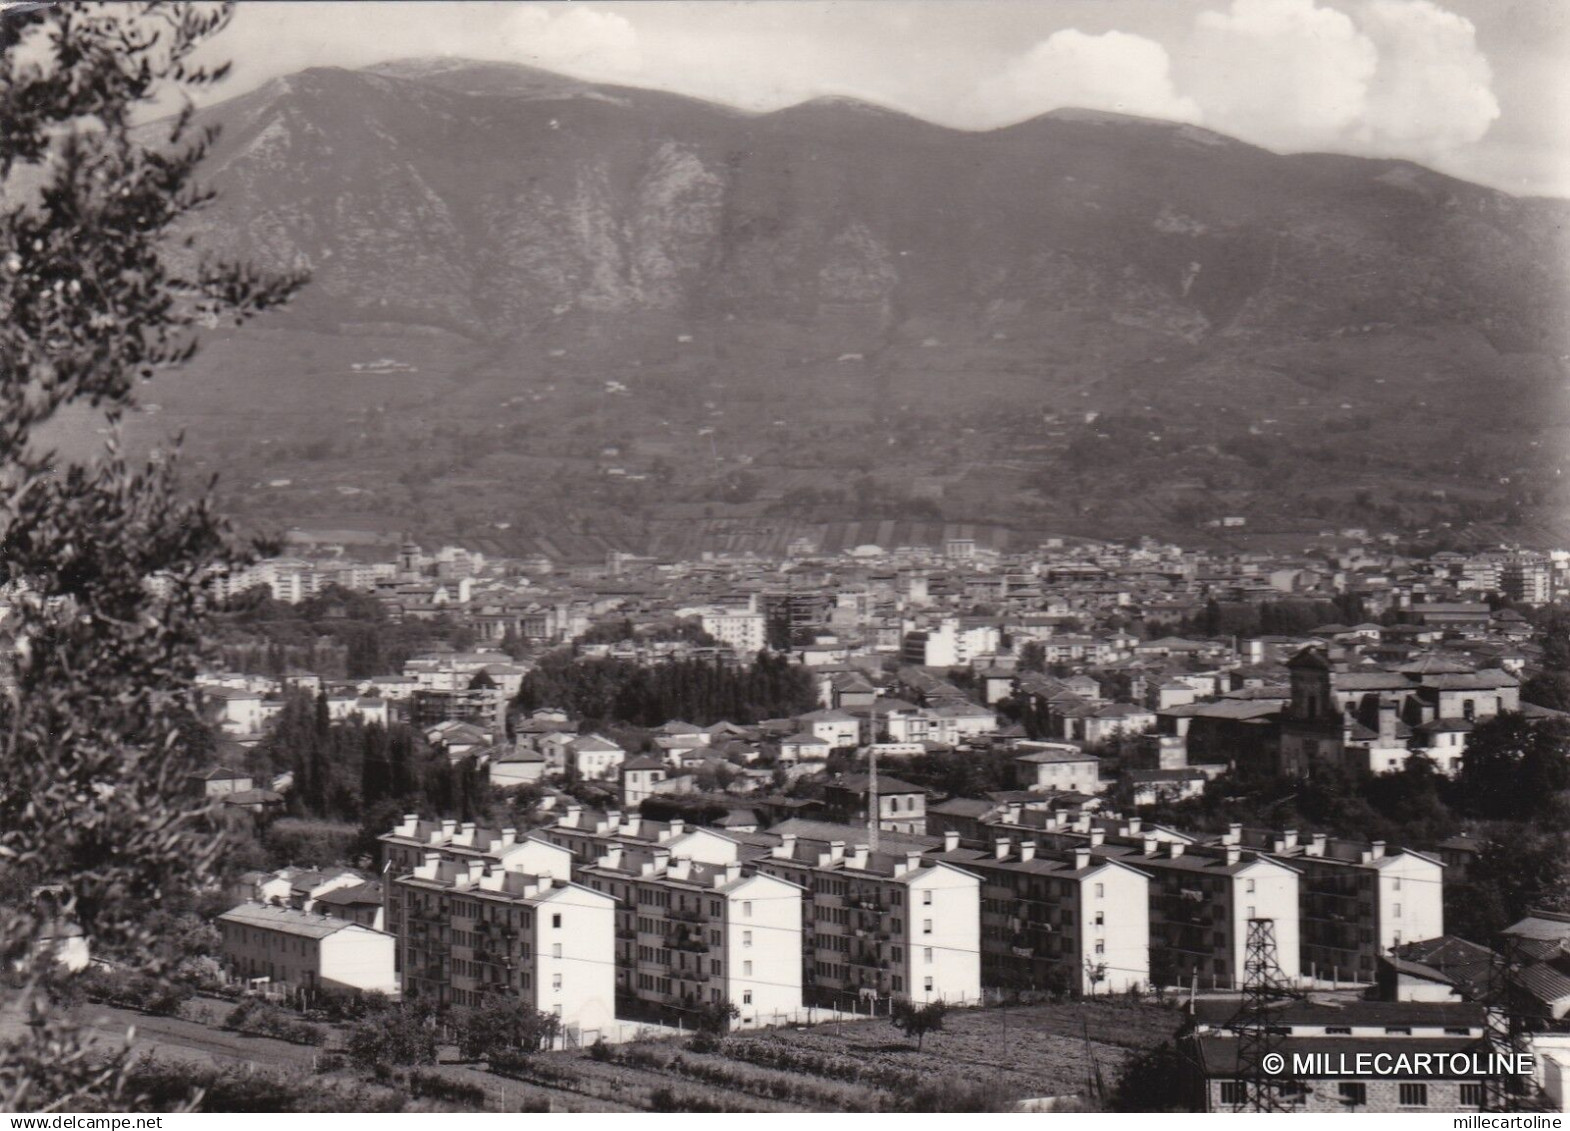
{"x":1101,"y":918}
{"x":1471,"y":1095}
{"x":1101,"y":890}
{"x":556,"y":950}
{"x":556,"y":920}
{"x":1338,"y":1030}
{"x":1232,"y":1092}
{"x":1395,"y":885}
{"x":926,"y":899}
{"x":1251,"y":911}
{"x":928,"y":983}
{"x":746,"y":997}
{"x":1413,"y":1095}
{"x":1249,"y":887}
{"x":1101,"y":946}
{"x":926,"y":955}
{"x":1354,"y":1093}
{"x":746,"y":968}
{"x":926,"y":926}
{"x":746,"y":908}
{"x":555,"y":981}
{"x":746,"y":938}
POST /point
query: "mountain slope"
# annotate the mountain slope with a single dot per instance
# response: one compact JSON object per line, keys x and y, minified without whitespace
{"x":730,"y":270}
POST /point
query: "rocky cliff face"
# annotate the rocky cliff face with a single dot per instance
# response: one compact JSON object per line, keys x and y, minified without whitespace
{"x":498,"y":201}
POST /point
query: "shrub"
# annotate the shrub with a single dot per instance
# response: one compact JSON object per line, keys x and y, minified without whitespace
{"x":602,"y":1052}
{"x":259,"y":1019}
{"x":133,"y":990}
{"x":434,"y":1085}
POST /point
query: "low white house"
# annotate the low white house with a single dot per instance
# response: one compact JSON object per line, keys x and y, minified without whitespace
{"x":303,"y":950}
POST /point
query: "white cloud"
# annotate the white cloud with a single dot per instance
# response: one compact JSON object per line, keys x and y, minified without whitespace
{"x":1284,"y":73}
{"x":1113,"y":71}
{"x":581,"y":40}
{"x":1433,"y":89}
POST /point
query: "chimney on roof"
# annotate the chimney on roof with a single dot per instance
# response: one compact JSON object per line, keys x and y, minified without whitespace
{"x":1377,"y":850}
{"x":1316,"y":844}
{"x":1027,"y":851}
{"x":1134,"y":825}
{"x":786,"y":848}
{"x":679,"y":868}
{"x":509,"y":837}
{"x":476,"y":870}
{"x":411,"y":821}
{"x":466,"y":833}
{"x":571,"y":816}
{"x":857,"y":857}
{"x":1081,"y":857}
{"x":1174,"y":849}
{"x":732,"y":872}
{"x":677,"y":827}
{"x":1149,"y":845}
{"x":449,"y":827}
{"x":1234,"y":854}
{"x":1234,"y":834}
{"x":836,"y":850}
{"x":912,"y":859}
{"x":1098,"y":836}
{"x":950,"y":840}
{"x":1011,"y":813}
{"x":1000,"y":848}
{"x":432,"y":859}
{"x":1289,"y":836}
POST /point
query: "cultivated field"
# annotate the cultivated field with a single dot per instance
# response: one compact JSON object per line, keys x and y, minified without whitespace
{"x":981,"y":1060}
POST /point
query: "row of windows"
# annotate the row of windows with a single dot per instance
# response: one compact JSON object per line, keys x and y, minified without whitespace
{"x":1353,"y":1093}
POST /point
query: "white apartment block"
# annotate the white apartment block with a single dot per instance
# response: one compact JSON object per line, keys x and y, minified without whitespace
{"x":1357,"y":900}
{"x":1200,"y":905}
{"x":691,"y":932}
{"x":1059,"y":921}
{"x":882,"y":926}
{"x":302,"y":950}
{"x":744,"y":630}
{"x":413,"y":841}
{"x":469,"y":931}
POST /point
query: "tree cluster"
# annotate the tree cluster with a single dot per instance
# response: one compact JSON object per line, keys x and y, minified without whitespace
{"x":697,"y":691}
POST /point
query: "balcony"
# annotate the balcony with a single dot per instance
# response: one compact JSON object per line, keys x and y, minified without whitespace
{"x":693,"y":943}
{"x":684,"y":915}
{"x":869,"y":961}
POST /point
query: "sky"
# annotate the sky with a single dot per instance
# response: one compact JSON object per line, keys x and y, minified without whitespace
{"x":1476,"y":88}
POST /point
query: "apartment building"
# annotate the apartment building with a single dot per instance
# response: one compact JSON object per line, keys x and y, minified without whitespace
{"x":1200,"y":905}
{"x":691,"y":932}
{"x":1357,"y":901}
{"x":413,"y":841}
{"x":1065,"y":921}
{"x":469,"y":930}
{"x":879,"y":925}
{"x":744,"y":630}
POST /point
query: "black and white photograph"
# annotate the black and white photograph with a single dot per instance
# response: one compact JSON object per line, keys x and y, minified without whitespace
{"x":784,"y":556}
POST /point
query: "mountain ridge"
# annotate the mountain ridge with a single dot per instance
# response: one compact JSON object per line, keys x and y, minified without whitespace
{"x":838,"y":261}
